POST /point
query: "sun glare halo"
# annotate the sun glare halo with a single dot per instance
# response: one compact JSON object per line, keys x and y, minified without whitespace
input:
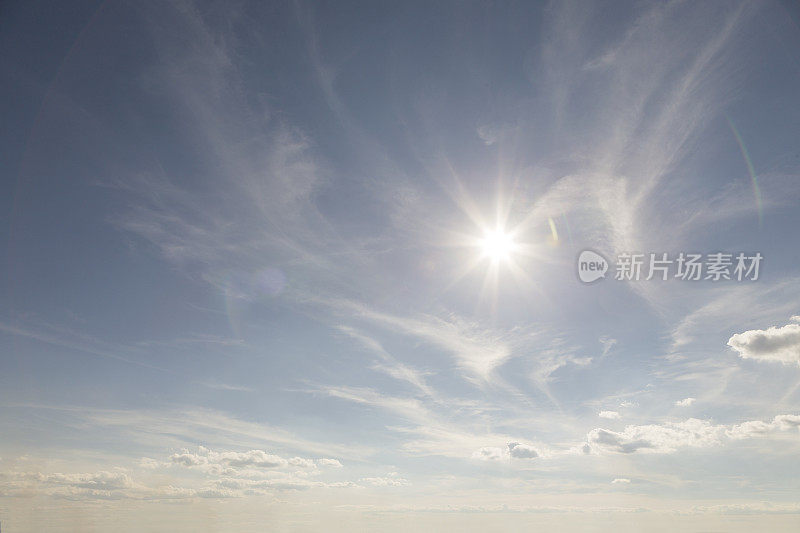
{"x":497,"y":245}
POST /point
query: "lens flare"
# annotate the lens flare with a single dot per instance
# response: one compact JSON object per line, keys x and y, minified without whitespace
{"x":750,"y":170}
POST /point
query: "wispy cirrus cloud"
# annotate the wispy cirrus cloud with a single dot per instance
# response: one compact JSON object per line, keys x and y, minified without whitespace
{"x":325,"y":199}
{"x":626,"y":155}
{"x":181,"y":427}
{"x":479,"y":351}
{"x":388,"y":364}
{"x":434,"y":429}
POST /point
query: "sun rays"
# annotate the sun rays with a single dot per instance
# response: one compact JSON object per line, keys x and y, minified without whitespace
{"x":503,"y":251}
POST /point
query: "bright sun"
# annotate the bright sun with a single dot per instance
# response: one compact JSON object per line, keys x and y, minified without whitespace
{"x":497,"y":245}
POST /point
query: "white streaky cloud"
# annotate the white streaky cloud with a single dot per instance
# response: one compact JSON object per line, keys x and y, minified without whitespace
{"x":755,"y":508}
{"x":253,"y":218}
{"x":330,"y":463}
{"x":489,"y":453}
{"x":629,"y":154}
{"x":795,"y":318}
{"x":410,"y":409}
{"x":244,"y":486}
{"x":66,"y":338}
{"x":182,"y":427}
{"x":479,"y":350}
{"x":391,"y":480}
{"x":264,"y":181}
{"x":450,"y":440}
{"x":607,"y":343}
{"x":774,"y":344}
{"x":178,"y":428}
{"x":492,"y":133}
{"x":225,"y":387}
{"x":432,"y":433}
{"x":149,"y":463}
{"x":390,"y":365}
{"x":522,"y":451}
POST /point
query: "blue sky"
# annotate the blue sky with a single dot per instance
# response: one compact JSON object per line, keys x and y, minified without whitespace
{"x":304,"y":266}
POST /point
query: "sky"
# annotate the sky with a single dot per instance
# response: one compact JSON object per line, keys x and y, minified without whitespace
{"x":304,"y":266}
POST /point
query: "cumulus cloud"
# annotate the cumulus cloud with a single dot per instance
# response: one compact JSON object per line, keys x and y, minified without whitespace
{"x":257,"y":458}
{"x":522,"y":451}
{"x":778,"y":344}
{"x":186,"y":458}
{"x":787,"y":421}
{"x":613,"y":415}
{"x":686,"y":402}
{"x":757,"y":428}
{"x":657,"y":438}
{"x":251,"y":458}
{"x":513,"y":450}
{"x":301,"y":462}
{"x":225,"y":462}
{"x":488,"y":453}
{"x":691,"y":433}
{"x":749,"y":429}
{"x":223,"y":474}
